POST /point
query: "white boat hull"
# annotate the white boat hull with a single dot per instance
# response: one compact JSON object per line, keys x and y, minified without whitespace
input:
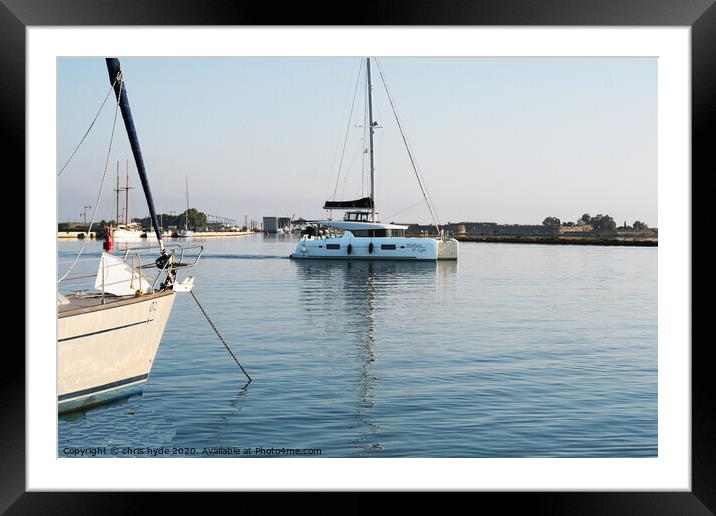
{"x":351,"y":247}
{"x":448,"y":249}
{"x":107,"y":351}
{"x":126,"y":234}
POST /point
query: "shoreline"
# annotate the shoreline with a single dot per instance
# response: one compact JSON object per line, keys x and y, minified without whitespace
{"x":206,"y":234}
{"x":556,"y":240}
{"x":61,"y":235}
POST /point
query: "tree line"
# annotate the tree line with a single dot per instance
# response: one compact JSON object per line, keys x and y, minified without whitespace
{"x":191,"y":217}
{"x":597,"y":222}
{"x":196,"y":219}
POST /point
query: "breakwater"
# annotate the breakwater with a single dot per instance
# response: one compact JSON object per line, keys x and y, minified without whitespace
{"x":557,"y":240}
{"x":203,"y":234}
{"x":540,"y":234}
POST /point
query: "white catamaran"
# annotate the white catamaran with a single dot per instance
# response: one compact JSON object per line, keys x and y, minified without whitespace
{"x":108,"y":339}
{"x":360,"y":235}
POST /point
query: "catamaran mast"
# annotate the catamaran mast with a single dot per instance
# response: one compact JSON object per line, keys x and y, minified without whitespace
{"x":120,"y":91}
{"x":370,"y":145}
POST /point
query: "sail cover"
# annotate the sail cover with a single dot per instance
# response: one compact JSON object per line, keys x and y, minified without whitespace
{"x":365,"y":202}
{"x":120,"y":91}
{"x":119,"y":277}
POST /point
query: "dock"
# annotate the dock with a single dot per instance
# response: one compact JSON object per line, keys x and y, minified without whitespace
{"x":203,"y":234}
{"x":76,"y":234}
{"x":200,"y":234}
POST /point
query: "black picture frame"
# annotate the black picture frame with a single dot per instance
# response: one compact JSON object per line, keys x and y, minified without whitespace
{"x":700,"y":15}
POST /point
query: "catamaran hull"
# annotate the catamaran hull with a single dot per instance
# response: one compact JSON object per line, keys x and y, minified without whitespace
{"x":448,"y":249}
{"x":384,"y":248}
{"x":107,"y":352}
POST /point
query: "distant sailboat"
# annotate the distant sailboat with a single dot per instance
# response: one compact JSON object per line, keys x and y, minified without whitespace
{"x":360,"y":235}
{"x":186,"y":232}
{"x":128,"y":230}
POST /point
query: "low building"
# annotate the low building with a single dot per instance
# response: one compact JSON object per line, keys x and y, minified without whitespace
{"x":270,"y":224}
{"x":284,"y":223}
{"x":276,"y":224}
{"x":584,"y":228}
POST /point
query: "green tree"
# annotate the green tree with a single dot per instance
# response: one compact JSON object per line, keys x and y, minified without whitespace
{"x":584,"y":219}
{"x":196,"y":218}
{"x":640,"y":225}
{"x":603,"y":222}
{"x":551,"y":221}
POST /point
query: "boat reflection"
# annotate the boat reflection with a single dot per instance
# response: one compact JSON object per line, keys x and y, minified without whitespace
{"x":357,"y":295}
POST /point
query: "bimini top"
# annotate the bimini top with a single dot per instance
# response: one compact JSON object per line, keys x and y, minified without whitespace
{"x":342,"y":224}
{"x":365,"y":202}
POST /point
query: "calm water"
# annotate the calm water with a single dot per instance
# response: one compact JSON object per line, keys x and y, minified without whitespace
{"x":514,"y":351}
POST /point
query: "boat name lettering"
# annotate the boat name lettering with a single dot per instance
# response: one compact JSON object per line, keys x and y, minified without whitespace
{"x":420,"y":248}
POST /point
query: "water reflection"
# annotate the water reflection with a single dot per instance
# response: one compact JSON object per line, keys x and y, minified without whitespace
{"x":351,"y":297}
{"x":81,"y":413}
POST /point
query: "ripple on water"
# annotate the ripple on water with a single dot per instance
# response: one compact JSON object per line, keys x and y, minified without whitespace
{"x":514,"y":351}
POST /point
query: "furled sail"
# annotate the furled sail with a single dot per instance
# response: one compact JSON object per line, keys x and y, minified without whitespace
{"x":120,"y":92}
{"x":365,"y":202}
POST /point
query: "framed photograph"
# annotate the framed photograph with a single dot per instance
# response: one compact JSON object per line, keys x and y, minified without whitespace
{"x":528,"y":347}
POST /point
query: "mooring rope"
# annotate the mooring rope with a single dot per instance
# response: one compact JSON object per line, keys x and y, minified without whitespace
{"x":219,"y":335}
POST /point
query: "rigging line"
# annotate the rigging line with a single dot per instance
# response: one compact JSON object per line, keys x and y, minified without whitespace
{"x":101,"y":186}
{"x":348,"y":127}
{"x":403,"y":210}
{"x":88,"y":130}
{"x":407,"y":147}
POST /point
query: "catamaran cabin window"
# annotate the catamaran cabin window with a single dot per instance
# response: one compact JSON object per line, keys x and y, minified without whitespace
{"x":333,"y":246}
{"x":388,"y":247}
{"x":378,"y":233}
{"x":356,"y":216}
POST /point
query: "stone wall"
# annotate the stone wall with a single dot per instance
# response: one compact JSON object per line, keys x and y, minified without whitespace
{"x":487,"y":229}
{"x":494,"y":229}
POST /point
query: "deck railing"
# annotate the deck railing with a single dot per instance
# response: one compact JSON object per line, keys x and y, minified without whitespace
{"x":175,"y":254}
{"x":180,"y":257}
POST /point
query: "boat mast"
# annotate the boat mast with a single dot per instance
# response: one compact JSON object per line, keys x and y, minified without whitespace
{"x":186,"y":223}
{"x":370,"y":139}
{"x":120,"y":91}
{"x":126,"y":199}
{"x":116,"y":220}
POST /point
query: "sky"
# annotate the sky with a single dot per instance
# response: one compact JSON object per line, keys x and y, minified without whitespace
{"x":506,"y":140}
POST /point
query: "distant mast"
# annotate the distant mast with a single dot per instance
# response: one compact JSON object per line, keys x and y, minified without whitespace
{"x":116,"y":220}
{"x":126,"y":198}
{"x":370,"y":145}
{"x":186,"y":223}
